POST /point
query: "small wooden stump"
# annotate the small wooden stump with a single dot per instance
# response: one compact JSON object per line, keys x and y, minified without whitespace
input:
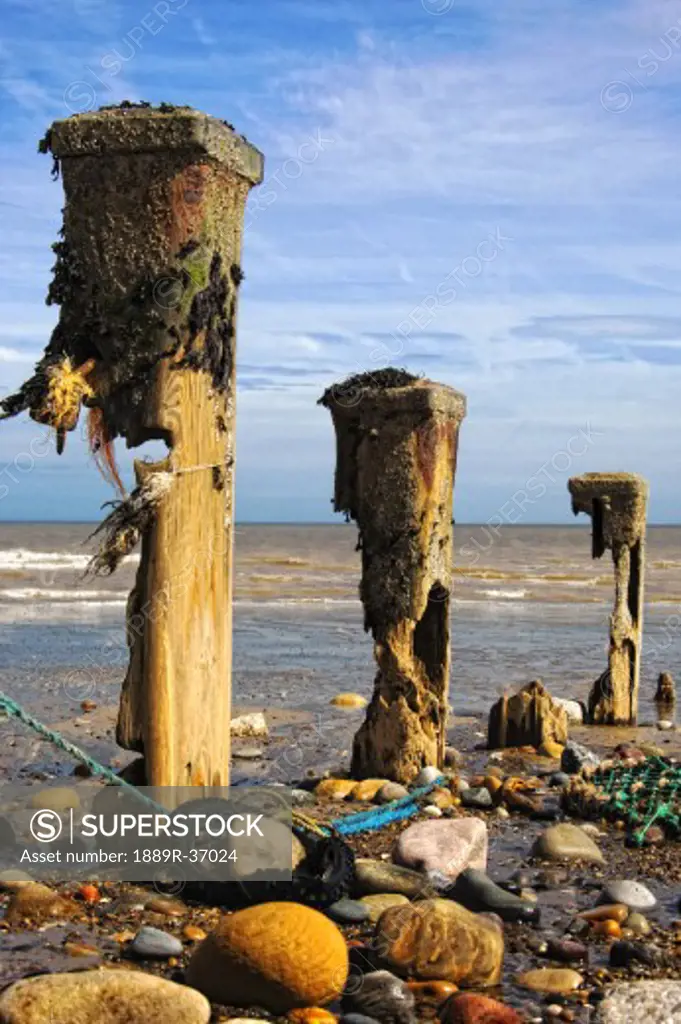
{"x":396,"y":460}
{"x":147,"y":278}
{"x":617,"y":503}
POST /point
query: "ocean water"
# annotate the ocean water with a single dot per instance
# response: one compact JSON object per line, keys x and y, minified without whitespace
{"x":528,"y":602}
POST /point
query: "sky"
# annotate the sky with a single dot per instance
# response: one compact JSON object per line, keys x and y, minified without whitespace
{"x":486,"y":193}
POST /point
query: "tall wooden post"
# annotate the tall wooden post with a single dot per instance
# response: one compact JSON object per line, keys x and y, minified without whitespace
{"x":396,"y":441}
{"x":147,"y":277}
{"x":616,"y":503}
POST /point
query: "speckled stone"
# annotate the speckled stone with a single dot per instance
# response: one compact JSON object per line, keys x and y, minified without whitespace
{"x":634,"y":895}
{"x":655,"y":1002}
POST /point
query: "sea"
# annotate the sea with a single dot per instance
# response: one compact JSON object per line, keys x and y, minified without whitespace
{"x":528,"y":602}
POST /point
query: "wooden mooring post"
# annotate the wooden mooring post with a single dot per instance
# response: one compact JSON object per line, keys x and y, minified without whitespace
{"x":147,"y":277}
{"x":396,"y":441}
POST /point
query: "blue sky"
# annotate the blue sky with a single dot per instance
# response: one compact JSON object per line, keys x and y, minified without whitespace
{"x":486,"y":192}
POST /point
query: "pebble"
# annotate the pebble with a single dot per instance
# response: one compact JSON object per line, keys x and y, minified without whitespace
{"x":247,"y":753}
{"x":253,"y":724}
{"x":567,"y":842}
{"x":375,"y":904}
{"x":375,"y":876}
{"x":381,"y":995}
{"x":349,"y":700}
{"x":609,"y":929}
{"x":192,"y":933}
{"x":471,"y":1008}
{"x":355,"y":1018}
{"x":477,"y":892}
{"x":428,"y":775}
{"x":348,"y":912}
{"x":664,"y":725}
{"x":479,"y":798}
{"x":311,"y":1015}
{"x":39,"y":904}
{"x":57,"y":798}
{"x":95,"y":996}
{"x":432,"y":991}
{"x":639,"y":924}
{"x":335,"y":789}
{"x":302,"y":798}
{"x":154,"y":944}
{"x":622,"y":954}
{"x":556,"y":981}
{"x":502,"y":813}
{"x":634,"y":895}
{"x":432,"y":811}
{"x":559,"y":780}
{"x":168,"y":908}
{"x":390,"y":791}
{"x":576,"y":756}
{"x":367,"y":789}
{"x":618,"y":912}
{"x":452,"y":757}
{"x":566,"y":950}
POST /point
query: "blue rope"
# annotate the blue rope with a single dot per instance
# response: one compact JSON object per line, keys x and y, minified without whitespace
{"x":378,"y":817}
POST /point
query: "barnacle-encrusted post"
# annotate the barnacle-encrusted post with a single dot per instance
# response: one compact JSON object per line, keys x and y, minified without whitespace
{"x":147,"y":277}
{"x":396,"y":444}
{"x":617,"y":503}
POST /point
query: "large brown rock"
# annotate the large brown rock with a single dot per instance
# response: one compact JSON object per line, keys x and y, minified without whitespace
{"x":276,"y":955}
{"x":439,"y":939}
{"x":117,"y":997}
{"x":475,"y":1009}
{"x":530,"y":718}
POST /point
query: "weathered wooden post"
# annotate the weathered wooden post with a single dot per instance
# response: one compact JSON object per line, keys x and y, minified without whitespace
{"x":617,"y":503}
{"x":147,"y":277}
{"x":396,"y":438}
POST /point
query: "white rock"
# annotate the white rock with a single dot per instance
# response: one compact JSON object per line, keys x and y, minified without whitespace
{"x":427,"y":776}
{"x":433,"y":811}
{"x":665,"y":725}
{"x":573,"y":709}
{"x":253,"y":724}
{"x":634,"y":895}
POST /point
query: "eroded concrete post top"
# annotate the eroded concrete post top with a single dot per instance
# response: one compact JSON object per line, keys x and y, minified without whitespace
{"x":616,"y":503}
{"x":396,"y":443}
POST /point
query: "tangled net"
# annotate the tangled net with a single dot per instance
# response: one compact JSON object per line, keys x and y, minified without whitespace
{"x":643,"y":794}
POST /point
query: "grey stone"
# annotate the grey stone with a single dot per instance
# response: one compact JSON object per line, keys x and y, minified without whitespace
{"x":382,"y":996}
{"x":154,"y":944}
{"x":655,"y":1002}
{"x":480,"y":799}
{"x":348,"y":912}
{"x":377,"y":876}
{"x":576,"y":756}
{"x":390,"y":791}
{"x":559,"y":779}
{"x":247,"y":753}
{"x":427,"y":776}
{"x":476,"y":891}
{"x":568,"y":842}
{"x":634,"y":895}
{"x":622,"y":954}
{"x":302,"y":798}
